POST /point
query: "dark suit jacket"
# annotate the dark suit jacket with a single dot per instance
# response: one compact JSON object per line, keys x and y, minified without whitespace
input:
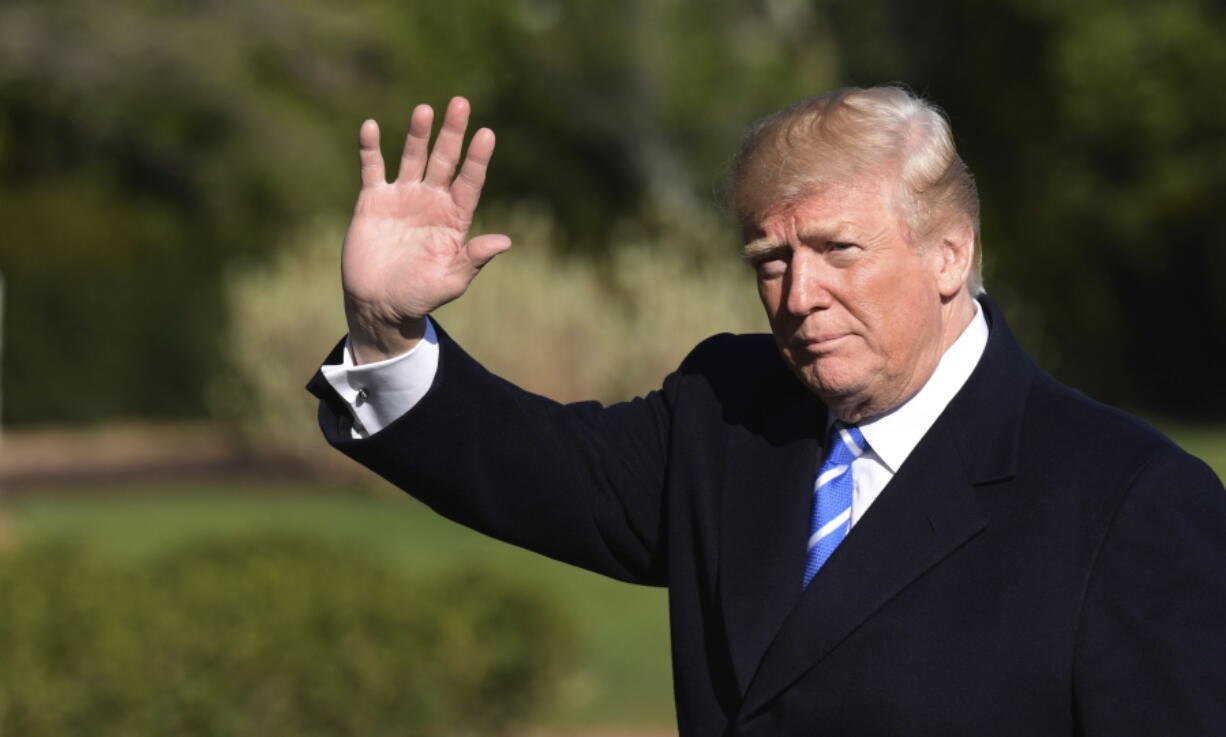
{"x":1040,"y":565}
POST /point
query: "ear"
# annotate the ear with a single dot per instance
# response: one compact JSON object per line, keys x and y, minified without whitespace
{"x":955,"y":252}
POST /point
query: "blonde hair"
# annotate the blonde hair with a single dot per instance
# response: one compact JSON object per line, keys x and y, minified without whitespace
{"x":850,"y":132}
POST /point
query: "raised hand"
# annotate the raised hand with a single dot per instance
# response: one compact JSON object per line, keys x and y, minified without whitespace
{"x":406,"y":251}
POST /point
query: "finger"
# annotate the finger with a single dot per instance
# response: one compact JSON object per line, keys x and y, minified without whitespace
{"x":466,"y":189}
{"x":441,"y":166}
{"x":370,"y":155}
{"x":416,"y":145}
{"x":485,"y":247}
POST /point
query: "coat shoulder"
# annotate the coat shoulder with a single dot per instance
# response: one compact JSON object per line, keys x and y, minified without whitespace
{"x":727,"y":358}
{"x":739,"y":369}
{"x":1069,"y":429}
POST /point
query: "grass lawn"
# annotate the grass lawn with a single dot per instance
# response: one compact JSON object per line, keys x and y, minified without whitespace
{"x":623,"y":678}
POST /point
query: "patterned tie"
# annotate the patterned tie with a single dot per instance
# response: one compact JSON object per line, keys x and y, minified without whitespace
{"x":832,"y":497}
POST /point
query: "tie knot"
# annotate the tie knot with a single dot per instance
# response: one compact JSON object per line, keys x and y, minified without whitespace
{"x":847,"y":443}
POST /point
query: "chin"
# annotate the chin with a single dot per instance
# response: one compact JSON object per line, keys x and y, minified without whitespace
{"x":833,"y":386}
{"x":823,"y":374}
{"x":842,"y":388}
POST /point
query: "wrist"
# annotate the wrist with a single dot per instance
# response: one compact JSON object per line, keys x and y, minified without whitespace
{"x":372,"y":339}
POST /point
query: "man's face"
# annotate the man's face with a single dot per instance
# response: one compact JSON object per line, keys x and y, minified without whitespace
{"x":856,"y":309}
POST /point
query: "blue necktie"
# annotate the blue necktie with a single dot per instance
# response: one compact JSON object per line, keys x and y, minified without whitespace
{"x":832,"y":497}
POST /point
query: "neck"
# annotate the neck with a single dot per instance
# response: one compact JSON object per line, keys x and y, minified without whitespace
{"x":957,"y":314}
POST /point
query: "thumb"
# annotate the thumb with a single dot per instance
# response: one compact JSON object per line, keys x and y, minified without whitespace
{"x":485,"y":247}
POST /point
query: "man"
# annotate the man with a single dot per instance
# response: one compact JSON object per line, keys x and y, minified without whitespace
{"x":886,"y":521}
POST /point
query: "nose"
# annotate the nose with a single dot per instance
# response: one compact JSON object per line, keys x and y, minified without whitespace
{"x":807,"y":283}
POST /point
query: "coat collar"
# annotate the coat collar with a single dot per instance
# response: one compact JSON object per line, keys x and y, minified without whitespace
{"x":777,"y":632}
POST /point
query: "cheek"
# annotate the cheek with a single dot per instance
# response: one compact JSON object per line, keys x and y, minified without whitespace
{"x":768,"y":292}
{"x":897,"y":301}
{"x":907,"y":322}
{"x":771,"y":295}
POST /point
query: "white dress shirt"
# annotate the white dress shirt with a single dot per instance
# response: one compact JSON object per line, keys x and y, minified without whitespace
{"x":378,"y":393}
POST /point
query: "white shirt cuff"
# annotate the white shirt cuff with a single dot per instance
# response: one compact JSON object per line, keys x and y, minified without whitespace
{"x":379,"y":393}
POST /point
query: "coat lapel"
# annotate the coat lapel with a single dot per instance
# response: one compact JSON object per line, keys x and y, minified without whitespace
{"x":768,"y":479}
{"x":925,"y":513}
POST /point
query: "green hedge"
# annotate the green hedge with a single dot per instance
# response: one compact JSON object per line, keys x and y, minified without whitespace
{"x":267,"y":636}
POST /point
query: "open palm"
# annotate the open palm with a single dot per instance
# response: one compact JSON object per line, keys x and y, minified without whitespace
{"x":406,"y":251}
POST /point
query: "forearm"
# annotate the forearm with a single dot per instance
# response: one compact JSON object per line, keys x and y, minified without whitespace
{"x":581,"y":483}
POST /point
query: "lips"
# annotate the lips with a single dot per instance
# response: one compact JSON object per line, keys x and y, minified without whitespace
{"x":820,"y":341}
{"x":820,"y":338}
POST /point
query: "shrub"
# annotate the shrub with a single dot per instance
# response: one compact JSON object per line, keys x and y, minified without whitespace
{"x":268,"y":636}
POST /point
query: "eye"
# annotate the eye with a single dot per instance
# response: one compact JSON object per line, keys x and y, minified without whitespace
{"x":770,"y":264}
{"x":843,"y":253}
{"x":770,"y":268}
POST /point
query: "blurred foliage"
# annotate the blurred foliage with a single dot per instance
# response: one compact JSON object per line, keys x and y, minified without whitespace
{"x":287,"y":308}
{"x":268,"y":635}
{"x":142,"y":149}
{"x":153,"y":152}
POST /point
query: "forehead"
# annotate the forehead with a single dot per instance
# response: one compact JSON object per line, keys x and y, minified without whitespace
{"x":862,"y":206}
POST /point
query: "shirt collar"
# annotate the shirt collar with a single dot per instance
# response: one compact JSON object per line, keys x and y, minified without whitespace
{"x":895,"y":434}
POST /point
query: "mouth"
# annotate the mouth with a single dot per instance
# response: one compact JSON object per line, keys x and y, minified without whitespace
{"x":819,"y":343}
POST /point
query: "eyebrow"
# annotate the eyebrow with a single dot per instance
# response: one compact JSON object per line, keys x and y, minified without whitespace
{"x":840,"y":231}
{"x":761,"y":247}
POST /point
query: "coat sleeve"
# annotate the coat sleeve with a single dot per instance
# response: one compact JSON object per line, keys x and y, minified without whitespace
{"x":1151,"y":654}
{"x":581,"y":483}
